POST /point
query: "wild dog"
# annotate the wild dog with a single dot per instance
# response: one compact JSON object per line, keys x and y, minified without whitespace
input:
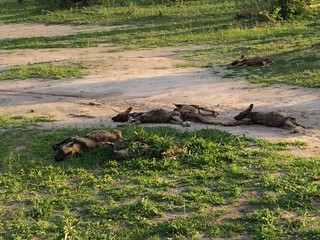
{"x":271,"y":119}
{"x":181,"y":115}
{"x":243,"y":15}
{"x":193,"y":113}
{"x":153,"y":116}
{"x":78,"y":144}
{"x":126,"y":115}
{"x":255,"y":61}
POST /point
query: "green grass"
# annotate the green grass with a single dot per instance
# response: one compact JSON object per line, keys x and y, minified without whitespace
{"x":293,"y":46}
{"x":43,"y":70}
{"x":208,"y":183}
{"x":14,"y":121}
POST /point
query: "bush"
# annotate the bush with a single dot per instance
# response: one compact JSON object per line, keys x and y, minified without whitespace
{"x":274,"y":9}
{"x":292,"y":8}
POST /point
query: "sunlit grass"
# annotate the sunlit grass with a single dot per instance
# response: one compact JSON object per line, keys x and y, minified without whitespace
{"x":208,"y":183}
{"x":43,"y":70}
{"x":293,"y":46}
{"x":14,"y":121}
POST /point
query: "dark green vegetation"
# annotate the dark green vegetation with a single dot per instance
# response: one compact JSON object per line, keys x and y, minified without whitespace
{"x":292,"y":45}
{"x":275,"y":9}
{"x":202,"y":184}
{"x":43,"y":70}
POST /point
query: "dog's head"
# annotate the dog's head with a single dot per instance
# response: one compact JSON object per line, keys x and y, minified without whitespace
{"x":291,"y":121}
{"x":238,"y":61}
{"x":117,"y":134}
{"x":268,"y":61}
{"x":65,"y":152}
{"x":123,"y":116}
{"x":243,"y":15}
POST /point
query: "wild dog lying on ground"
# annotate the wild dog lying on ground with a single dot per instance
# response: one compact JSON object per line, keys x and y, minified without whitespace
{"x":271,"y":119}
{"x":181,"y":115}
{"x":77,"y":145}
{"x":243,"y":15}
{"x":256,"y":61}
{"x":193,"y":113}
{"x":153,"y":116}
{"x":126,"y":115}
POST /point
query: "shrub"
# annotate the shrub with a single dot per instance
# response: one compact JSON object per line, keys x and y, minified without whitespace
{"x":274,"y":9}
{"x":292,"y":8}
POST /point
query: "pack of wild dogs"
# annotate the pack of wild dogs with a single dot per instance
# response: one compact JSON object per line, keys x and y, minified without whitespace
{"x":182,"y":114}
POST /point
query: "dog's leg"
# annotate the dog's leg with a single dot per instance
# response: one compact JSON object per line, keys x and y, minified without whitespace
{"x":237,"y":123}
{"x":176,"y":120}
{"x":291,"y":124}
{"x":297,"y":124}
{"x":192,"y":116}
{"x":239,"y":64}
{"x":199,"y":118}
{"x":106,"y":144}
{"x":56,"y":146}
{"x":213,"y":112}
{"x":85,"y":142}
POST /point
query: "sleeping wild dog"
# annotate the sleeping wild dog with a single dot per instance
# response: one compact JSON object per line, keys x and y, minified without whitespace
{"x":271,"y":119}
{"x":255,"y":61}
{"x":158,"y":115}
{"x":195,"y":113}
{"x":181,"y":115}
{"x":78,"y":144}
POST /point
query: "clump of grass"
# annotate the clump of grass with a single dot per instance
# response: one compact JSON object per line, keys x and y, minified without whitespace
{"x":43,"y":70}
{"x":7,"y":121}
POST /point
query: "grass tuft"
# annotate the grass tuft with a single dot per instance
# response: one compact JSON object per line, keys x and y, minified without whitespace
{"x":43,"y":70}
{"x":15,"y":121}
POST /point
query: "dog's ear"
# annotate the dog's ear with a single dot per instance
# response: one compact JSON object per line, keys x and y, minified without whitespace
{"x":129,"y":109}
{"x":244,"y":113}
{"x":178,"y":105}
{"x":56,"y":147}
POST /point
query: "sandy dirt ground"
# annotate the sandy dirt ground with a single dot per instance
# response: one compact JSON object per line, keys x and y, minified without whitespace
{"x":144,"y":79}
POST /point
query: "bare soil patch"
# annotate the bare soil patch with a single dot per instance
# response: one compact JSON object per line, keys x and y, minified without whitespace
{"x":43,"y":30}
{"x":146,"y":79}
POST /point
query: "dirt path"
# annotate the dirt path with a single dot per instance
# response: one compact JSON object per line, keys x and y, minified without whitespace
{"x":145,"y":80}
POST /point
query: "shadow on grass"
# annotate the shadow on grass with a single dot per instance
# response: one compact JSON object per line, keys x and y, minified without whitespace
{"x":144,"y":35}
